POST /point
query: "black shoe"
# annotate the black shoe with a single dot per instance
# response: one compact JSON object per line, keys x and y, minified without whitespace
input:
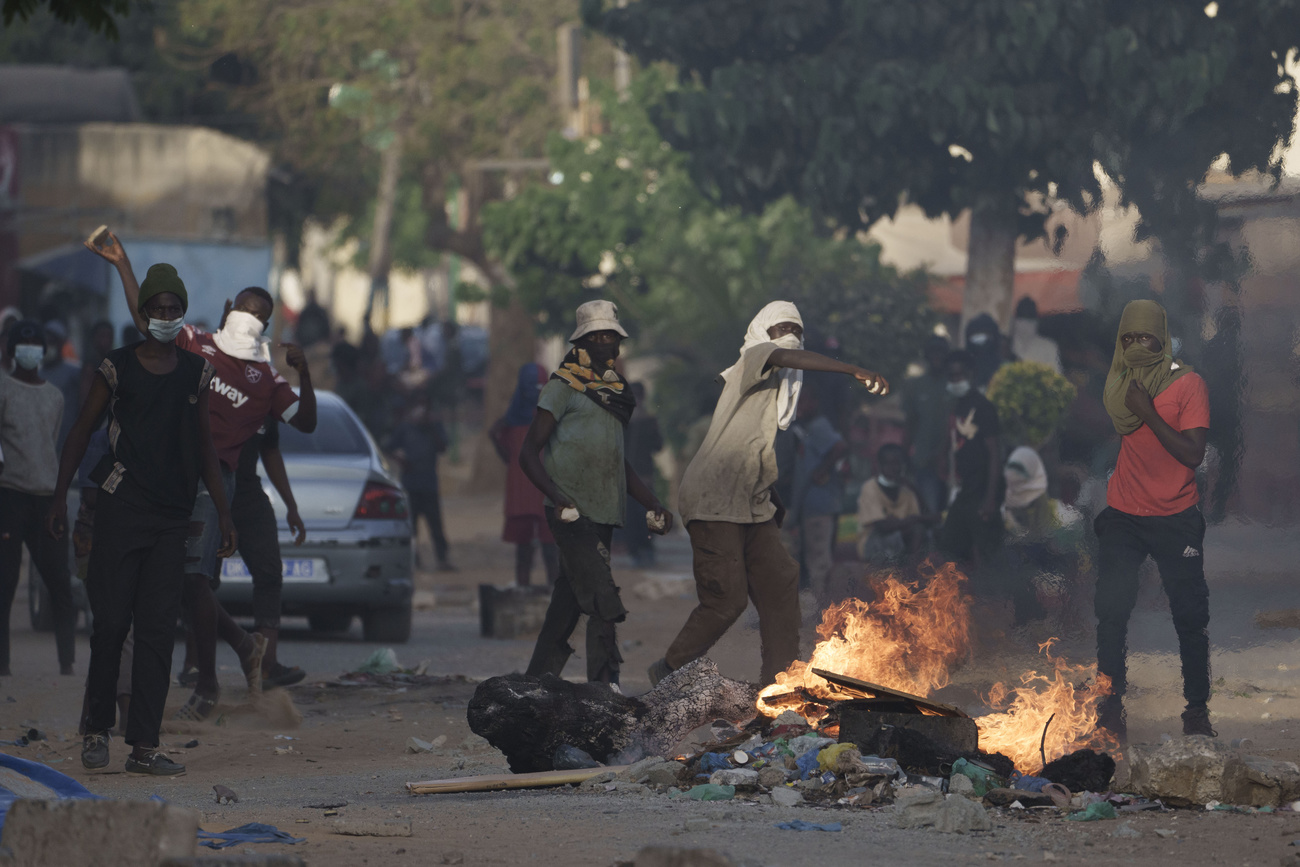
{"x":154,"y":763}
{"x":1196,"y":721}
{"x":94,"y":751}
{"x":188,"y":678}
{"x":282,"y":675}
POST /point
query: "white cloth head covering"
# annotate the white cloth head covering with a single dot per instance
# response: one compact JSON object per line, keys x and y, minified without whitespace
{"x":787,"y":396}
{"x":1026,"y":477}
{"x":596,"y":316}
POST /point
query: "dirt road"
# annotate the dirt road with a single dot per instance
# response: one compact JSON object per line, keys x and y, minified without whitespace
{"x":350,"y":745}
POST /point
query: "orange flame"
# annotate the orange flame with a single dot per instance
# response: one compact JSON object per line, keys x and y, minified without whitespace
{"x":1017,"y":729}
{"x":910,"y":638}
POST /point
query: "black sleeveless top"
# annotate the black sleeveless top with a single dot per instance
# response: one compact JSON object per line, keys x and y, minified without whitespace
{"x":153,"y":432}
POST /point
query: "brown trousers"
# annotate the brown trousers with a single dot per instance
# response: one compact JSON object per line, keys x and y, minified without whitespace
{"x":733,"y":564}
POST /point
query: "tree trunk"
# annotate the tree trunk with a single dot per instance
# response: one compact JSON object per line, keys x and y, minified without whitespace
{"x":390,"y":168}
{"x":512,"y":343}
{"x":990,"y":265}
{"x":529,"y":718}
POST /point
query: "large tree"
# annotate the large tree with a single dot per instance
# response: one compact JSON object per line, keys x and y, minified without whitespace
{"x":997,"y":106}
{"x":622,"y":219}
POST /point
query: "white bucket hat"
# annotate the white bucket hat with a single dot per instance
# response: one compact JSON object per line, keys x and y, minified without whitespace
{"x":597,"y":316}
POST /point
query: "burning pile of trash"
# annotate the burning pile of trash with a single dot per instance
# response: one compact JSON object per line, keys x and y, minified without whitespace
{"x":909,"y":638}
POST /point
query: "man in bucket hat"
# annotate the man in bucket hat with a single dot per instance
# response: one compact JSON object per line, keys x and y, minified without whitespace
{"x":573,"y":453}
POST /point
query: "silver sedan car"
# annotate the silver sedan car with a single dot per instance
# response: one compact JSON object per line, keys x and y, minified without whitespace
{"x":357,"y":559}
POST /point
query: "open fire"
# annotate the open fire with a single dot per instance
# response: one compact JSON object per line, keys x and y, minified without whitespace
{"x":910,"y":638}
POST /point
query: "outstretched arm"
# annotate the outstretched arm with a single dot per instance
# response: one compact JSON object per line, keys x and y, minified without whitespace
{"x":803,"y":359}
{"x":115,"y":255}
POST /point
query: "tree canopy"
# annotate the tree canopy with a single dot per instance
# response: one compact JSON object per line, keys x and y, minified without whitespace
{"x":855,"y":106}
{"x":457,"y":81}
{"x":98,"y":15}
{"x":623,"y":220}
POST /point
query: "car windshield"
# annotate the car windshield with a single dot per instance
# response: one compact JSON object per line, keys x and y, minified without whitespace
{"x":337,"y":433}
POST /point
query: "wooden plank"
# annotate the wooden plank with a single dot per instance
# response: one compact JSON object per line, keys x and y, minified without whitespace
{"x":876,"y":690}
{"x":497,"y":782}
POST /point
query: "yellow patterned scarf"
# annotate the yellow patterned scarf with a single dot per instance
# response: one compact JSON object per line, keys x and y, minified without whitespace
{"x":609,"y":390}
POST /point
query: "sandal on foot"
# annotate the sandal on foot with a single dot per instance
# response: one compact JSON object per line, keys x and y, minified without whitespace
{"x":189,"y":677}
{"x":282,"y":675}
{"x":154,"y":763}
{"x":196,"y":709}
{"x":252,"y":664}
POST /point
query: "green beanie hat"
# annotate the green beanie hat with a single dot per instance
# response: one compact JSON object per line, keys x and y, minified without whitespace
{"x":162,"y":278}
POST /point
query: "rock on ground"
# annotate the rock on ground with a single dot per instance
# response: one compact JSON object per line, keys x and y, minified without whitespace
{"x":1183,"y":771}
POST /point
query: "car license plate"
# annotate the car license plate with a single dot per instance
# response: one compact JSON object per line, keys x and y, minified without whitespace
{"x":298,"y":570}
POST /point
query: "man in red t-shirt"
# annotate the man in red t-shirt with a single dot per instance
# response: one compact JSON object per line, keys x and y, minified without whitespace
{"x":1161,"y":410}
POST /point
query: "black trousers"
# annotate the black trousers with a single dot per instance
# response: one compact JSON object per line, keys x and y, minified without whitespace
{"x":585,"y":585}
{"x":22,"y":521}
{"x":429,"y":504}
{"x":1176,"y":543}
{"x":259,"y":547}
{"x":137,"y":566}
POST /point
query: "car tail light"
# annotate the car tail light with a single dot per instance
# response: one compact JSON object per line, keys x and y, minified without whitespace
{"x":381,"y":502}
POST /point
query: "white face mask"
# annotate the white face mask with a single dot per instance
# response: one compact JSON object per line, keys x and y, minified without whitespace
{"x":959,"y":389}
{"x":885,"y":483}
{"x":28,"y":355}
{"x":165,"y":330}
{"x":979,"y":338}
{"x":241,"y":337}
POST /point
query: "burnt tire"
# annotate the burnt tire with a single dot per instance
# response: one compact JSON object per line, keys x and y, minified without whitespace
{"x":387,"y":625}
{"x":329,"y":621}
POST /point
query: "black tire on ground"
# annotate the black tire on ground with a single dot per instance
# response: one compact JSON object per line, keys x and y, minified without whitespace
{"x":38,"y":604}
{"x":329,"y":621}
{"x":387,"y":625}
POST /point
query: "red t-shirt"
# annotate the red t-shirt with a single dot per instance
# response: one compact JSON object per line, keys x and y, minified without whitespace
{"x":1147,"y":479}
{"x":243,"y":394}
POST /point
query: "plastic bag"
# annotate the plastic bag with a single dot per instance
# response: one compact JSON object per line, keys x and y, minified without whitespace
{"x":1093,"y":812}
{"x":710,"y":792}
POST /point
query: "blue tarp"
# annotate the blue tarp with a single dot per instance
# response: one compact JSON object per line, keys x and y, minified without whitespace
{"x":20,"y":778}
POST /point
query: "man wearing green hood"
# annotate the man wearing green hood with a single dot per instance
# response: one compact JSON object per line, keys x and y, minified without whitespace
{"x":1161,"y":410}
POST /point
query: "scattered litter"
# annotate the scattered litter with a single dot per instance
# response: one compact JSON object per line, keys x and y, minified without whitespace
{"x":189,"y":745}
{"x":1167,"y":833}
{"x":415,"y":745}
{"x":34,"y":735}
{"x":285,"y":738}
{"x":253,"y":832}
{"x":20,"y":741}
{"x":710,"y":762}
{"x":1126,"y":830}
{"x":801,"y":825}
{"x":711,"y":792}
{"x":284,"y":751}
{"x":383,"y":661}
{"x":1093,"y":812}
{"x":328,"y":805}
{"x":225,"y":795}
{"x":329,"y":813}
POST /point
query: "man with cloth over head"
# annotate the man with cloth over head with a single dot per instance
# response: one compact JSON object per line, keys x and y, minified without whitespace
{"x":1161,"y":410}
{"x":581,"y":416}
{"x":728,"y":503}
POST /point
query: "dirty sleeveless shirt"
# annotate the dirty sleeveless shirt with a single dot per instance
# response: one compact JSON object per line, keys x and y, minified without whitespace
{"x":154,"y":459}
